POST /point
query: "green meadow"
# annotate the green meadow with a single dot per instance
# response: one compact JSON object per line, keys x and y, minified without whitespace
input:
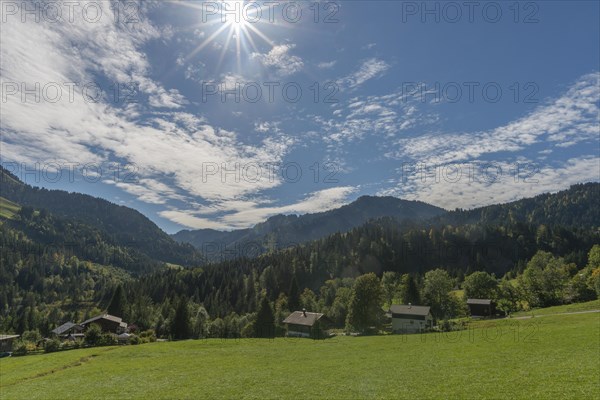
{"x":554,"y":357}
{"x":7,"y":208}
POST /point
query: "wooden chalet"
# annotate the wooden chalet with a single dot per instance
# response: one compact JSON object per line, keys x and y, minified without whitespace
{"x":68,"y":331}
{"x":107,"y":322}
{"x":305,"y":324}
{"x":481,"y":307}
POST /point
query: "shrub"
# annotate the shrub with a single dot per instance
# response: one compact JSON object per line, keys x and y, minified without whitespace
{"x":248,"y":330}
{"x":93,"y":335}
{"x":52,"y":345}
{"x":148,"y":336}
{"x":134,"y":339}
{"x":20,"y":348}
{"x":108,"y":339}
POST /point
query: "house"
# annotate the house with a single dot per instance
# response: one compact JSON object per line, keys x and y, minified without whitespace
{"x":68,"y":331}
{"x":481,"y":307}
{"x":409,"y":318}
{"x":304,"y":324}
{"x":107,"y":322}
{"x":6,"y":342}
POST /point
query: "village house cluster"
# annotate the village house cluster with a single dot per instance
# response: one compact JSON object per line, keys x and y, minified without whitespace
{"x":405,"y":319}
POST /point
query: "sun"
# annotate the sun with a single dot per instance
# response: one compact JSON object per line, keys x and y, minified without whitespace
{"x":237,"y":20}
{"x":234,"y":14}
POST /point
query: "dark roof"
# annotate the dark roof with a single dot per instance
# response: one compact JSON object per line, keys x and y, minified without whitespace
{"x":8,"y":337}
{"x":63,"y":328}
{"x":486,"y":302}
{"x":109,"y":317}
{"x":409,"y":309}
{"x":302,"y":318}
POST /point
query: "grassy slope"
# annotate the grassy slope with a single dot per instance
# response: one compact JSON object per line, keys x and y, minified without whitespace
{"x":575,"y":307}
{"x":8,"y":208}
{"x":552,"y":357}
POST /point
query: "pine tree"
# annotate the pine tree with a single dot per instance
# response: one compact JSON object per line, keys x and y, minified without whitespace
{"x":294,"y":295}
{"x":264,"y":326}
{"x":409,"y":291}
{"x":117,"y":303}
{"x":180,"y":326}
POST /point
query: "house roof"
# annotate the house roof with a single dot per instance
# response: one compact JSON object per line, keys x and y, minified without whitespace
{"x":407,"y":309}
{"x":63,"y":328}
{"x":8,"y":337}
{"x":302,"y":318}
{"x":108,"y":317}
{"x":486,"y":302}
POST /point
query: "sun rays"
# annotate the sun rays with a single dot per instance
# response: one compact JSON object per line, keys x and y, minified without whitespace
{"x":231,"y":25}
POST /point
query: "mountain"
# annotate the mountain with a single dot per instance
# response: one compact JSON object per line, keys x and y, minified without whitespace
{"x":282,"y":231}
{"x":96,"y":219}
{"x":577,"y":206}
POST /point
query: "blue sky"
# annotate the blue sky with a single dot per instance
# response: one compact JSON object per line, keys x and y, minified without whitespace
{"x":432,"y":101}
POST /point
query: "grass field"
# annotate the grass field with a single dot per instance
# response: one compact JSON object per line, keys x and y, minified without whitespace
{"x":8,"y":208}
{"x":566,"y":308}
{"x":552,"y":357}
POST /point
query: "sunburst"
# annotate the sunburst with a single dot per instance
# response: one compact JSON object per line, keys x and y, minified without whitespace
{"x":237,"y":20}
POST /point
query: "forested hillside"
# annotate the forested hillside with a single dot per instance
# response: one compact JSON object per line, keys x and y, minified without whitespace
{"x":282,"y":231}
{"x":121,"y":226}
{"x":574,"y":207}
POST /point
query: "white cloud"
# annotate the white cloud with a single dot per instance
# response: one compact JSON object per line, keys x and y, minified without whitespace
{"x":369,"y":69}
{"x":279,"y":59}
{"x":476,"y":184}
{"x":326,"y":65}
{"x":374,"y":116}
{"x":248,"y":213}
{"x":570,"y":119}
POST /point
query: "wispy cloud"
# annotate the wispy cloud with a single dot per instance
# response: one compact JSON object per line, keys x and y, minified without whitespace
{"x":475,"y":184}
{"x":369,"y":69}
{"x":248,"y":213}
{"x":568,"y":120}
{"x":326,"y":64}
{"x":280,"y":60}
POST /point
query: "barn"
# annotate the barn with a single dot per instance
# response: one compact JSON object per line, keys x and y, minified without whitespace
{"x":481,"y":307}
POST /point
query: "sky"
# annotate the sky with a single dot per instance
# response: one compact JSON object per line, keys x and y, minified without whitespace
{"x":219,"y":115}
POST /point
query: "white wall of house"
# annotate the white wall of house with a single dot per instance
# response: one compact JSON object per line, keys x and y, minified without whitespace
{"x":403,"y":325}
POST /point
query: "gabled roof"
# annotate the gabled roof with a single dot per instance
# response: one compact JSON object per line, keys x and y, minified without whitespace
{"x":409,"y":309}
{"x":302,"y":318}
{"x":486,"y":302}
{"x":63,"y":328}
{"x":109,"y":317}
{"x":8,"y":337}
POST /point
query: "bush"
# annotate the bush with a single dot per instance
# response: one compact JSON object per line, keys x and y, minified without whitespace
{"x":52,"y":345}
{"x":148,"y":336}
{"x":248,"y":330}
{"x":134,"y":339}
{"x":108,"y":339}
{"x":93,"y":335}
{"x":20,"y":348}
